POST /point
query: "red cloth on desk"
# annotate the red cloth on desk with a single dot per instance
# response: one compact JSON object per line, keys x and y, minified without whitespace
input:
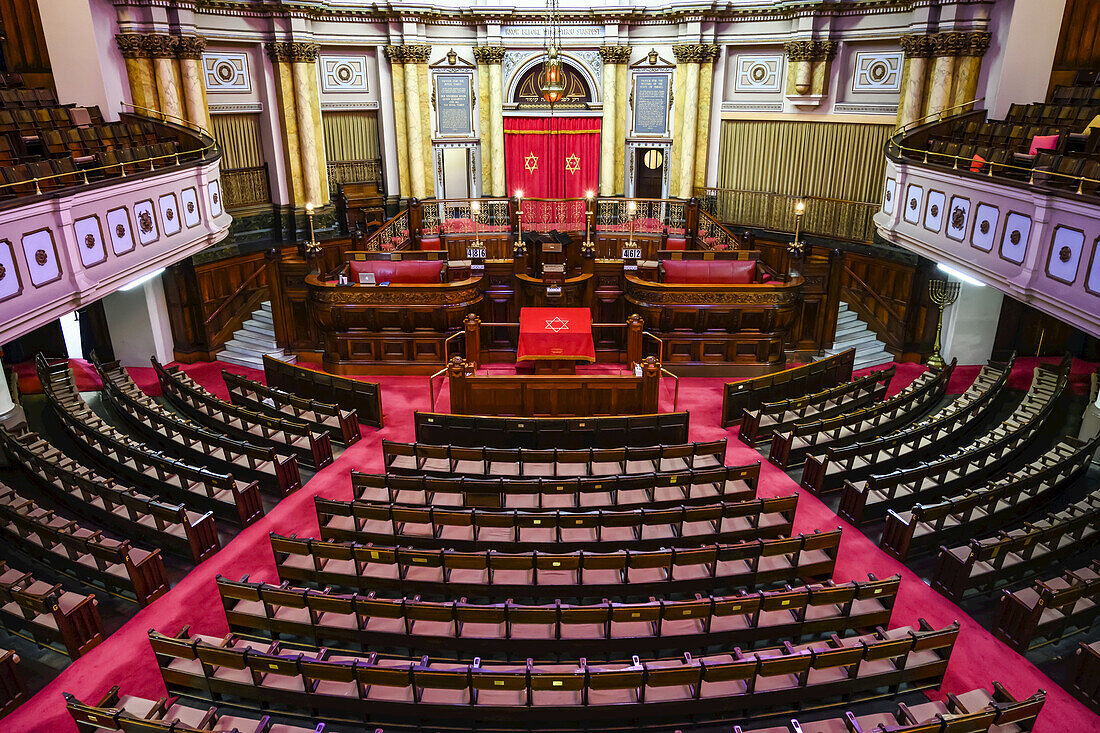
{"x":555,"y":333}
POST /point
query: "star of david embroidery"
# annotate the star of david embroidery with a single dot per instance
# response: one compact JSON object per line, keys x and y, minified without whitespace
{"x":573,"y":163}
{"x":557,"y":325}
{"x":531,"y":163}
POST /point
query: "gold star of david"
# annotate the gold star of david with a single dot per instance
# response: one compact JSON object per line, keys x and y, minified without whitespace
{"x":531,"y":163}
{"x":573,"y":163}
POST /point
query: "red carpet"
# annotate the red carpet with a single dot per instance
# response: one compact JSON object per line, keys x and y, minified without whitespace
{"x":125,"y":658}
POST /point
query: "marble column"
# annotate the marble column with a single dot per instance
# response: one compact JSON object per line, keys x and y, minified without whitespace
{"x":808,"y":68}
{"x":413,"y":126}
{"x":11,"y":414}
{"x":702,"y":126}
{"x":689,"y":56}
{"x":424,"y":82}
{"x":914,"y":71}
{"x":302,"y":59}
{"x":945,"y":48}
{"x":139,"y":72}
{"x":279,"y":54}
{"x":396,"y":57}
{"x":607,"y":124}
{"x":622,"y":94}
{"x":481,"y":56}
{"x":967,"y":69}
{"x":493,"y":56}
{"x":189,"y":51}
{"x":677,"y":122}
{"x":162,"y":49}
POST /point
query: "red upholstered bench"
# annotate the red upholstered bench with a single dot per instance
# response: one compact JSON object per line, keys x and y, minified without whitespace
{"x":407,"y":272}
{"x":707,"y":272}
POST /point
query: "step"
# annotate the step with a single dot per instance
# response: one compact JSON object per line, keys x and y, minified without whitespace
{"x":265,"y":330}
{"x":878,"y":358}
{"x":261,"y":315}
{"x":843,"y":307}
{"x":257,"y":341}
{"x":247,"y":347}
{"x":266,"y":306}
{"x":848,"y":317}
{"x":233,"y":357}
{"x":855,"y":340}
{"x":849,"y":329}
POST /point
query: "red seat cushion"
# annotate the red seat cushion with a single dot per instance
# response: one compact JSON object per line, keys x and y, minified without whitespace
{"x":976,"y":163}
{"x":1042,"y":142}
{"x":409,"y":272}
{"x":676,"y":243}
{"x":701,"y":272}
{"x":427,"y":243}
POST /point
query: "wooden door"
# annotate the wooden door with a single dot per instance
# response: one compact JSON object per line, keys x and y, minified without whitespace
{"x":649,"y":172}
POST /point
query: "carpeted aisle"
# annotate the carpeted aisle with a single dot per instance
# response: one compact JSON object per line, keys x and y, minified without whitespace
{"x":125,"y":658}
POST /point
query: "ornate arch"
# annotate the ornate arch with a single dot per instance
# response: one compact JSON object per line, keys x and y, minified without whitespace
{"x":583,"y":87}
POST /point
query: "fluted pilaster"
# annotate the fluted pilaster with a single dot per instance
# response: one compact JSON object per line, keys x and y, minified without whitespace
{"x":689,"y":58}
{"x":914,"y":74}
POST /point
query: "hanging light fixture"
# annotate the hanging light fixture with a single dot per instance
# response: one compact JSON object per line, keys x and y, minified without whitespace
{"x":551,"y":79}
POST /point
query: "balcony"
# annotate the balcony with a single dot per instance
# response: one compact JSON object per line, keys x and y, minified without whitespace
{"x":1026,"y":224}
{"x":72,"y":239}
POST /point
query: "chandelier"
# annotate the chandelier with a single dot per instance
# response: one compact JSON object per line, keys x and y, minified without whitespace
{"x":551,"y":80}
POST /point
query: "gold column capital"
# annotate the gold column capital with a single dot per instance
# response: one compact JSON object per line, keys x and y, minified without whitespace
{"x":131,"y":46}
{"x":810,"y":50}
{"x":396,"y":54}
{"x":293,"y":52}
{"x":190,"y":47}
{"x":916,"y":47}
{"x":695,"y":53}
{"x":417,"y":54}
{"x":959,"y":43}
{"x":614,"y":54}
{"x":160,"y":45}
{"x":489,"y":54}
{"x":977,"y":43}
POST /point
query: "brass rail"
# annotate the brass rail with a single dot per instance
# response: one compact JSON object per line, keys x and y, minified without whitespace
{"x":676,"y":390}
{"x":660,"y":344}
{"x":431,"y":388}
{"x":230,"y":298}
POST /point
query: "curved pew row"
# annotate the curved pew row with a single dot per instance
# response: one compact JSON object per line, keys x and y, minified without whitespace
{"x":550,"y":462}
{"x":522,"y":530}
{"x":601,"y":629}
{"x":814,"y":376}
{"x":1008,"y":557}
{"x":488,"y":431}
{"x":542,"y":575}
{"x":83,"y":553}
{"x":220,"y":493}
{"x":349,"y":394}
{"x":826,"y":472}
{"x":977,"y":711}
{"x":652,"y":490}
{"x":372,"y":687}
{"x":196,"y":442}
{"x":790,"y":447}
{"x":191,"y":398}
{"x":48,"y":614}
{"x":1085,"y":674}
{"x":927,"y":527}
{"x":131,"y":513}
{"x":1049,"y":609}
{"x":988,"y":454}
{"x":341,"y":425}
{"x":758,"y":425}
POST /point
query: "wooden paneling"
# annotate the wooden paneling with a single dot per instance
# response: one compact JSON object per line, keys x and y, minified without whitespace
{"x":24,"y":45}
{"x":1079,"y":41}
{"x":890,"y":296}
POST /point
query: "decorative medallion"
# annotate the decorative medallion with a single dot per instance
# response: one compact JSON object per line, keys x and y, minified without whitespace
{"x":41,"y":257}
{"x":984,"y":226}
{"x":3,"y":271}
{"x":889,"y":194}
{"x":120,"y":231}
{"x":190,"y":207}
{"x":343,"y":74}
{"x":145,"y":221}
{"x":214,"y":197}
{"x":934,"y":210}
{"x":758,"y":73}
{"x":226,"y":72}
{"x":958,"y":218}
{"x":877,"y":72}
{"x":169,"y":215}
{"x":1064,"y":254}
{"x":1014,"y":237}
{"x":913,"y":204}
{"x":89,"y":241}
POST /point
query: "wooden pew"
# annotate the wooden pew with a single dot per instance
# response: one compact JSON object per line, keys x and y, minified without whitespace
{"x":13,"y":691}
{"x":550,"y":432}
{"x":47,"y":614}
{"x":748,"y":394}
{"x":1085,"y":673}
{"x":1049,"y":608}
{"x":341,"y":425}
{"x":348,"y":394}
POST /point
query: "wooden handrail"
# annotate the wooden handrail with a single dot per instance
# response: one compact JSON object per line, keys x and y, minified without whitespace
{"x":878,"y":298}
{"x":704,"y":215}
{"x":229,"y":299}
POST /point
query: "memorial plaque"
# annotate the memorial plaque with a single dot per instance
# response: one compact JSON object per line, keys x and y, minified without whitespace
{"x":651,"y":104}
{"x":453,"y":105}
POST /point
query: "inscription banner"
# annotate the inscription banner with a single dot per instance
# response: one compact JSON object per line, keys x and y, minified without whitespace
{"x":651,"y":104}
{"x":454,"y":105}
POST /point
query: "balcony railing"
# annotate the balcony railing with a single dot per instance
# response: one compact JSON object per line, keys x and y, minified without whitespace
{"x":245,"y":187}
{"x":825,"y":217}
{"x":353,"y":171}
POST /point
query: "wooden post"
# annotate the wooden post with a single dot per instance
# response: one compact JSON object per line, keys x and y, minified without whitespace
{"x":473,"y":339}
{"x":651,"y":383}
{"x":832,"y":301}
{"x":634,"y":326}
{"x":416,"y":222}
{"x":456,"y":378}
{"x":691,"y":227}
{"x":748,"y":239}
{"x":275,"y":295}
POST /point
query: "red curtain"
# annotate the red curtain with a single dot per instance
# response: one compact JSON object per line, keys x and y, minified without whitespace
{"x":551,"y":157}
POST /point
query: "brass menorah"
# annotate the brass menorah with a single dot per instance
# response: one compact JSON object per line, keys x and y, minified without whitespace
{"x":942,"y":293}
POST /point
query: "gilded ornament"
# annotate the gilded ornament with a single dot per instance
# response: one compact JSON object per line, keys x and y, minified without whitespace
{"x":913,"y":204}
{"x":916,"y":47}
{"x":159,"y":45}
{"x":958,"y":218}
{"x":293,"y":52}
{"x":1014,"y":236}
{"x":3,"y":271}
{"x":984,"y":226}
{"x":417,"y":54}
{"x":120,"y":231}
{"x":934,"y":210}
{"x":614,"y":54}
{"x":130,"y":45}
{"x":145,"y":222}
{"x":1065,"y":253}
{"x":489,"y":54}
{"x":695,"y":53}
{"x":190,"y":207}
{"x":41,"y":257}
{"x":169,"y":214}
{"x":810,"y":50}
{"x":190,"y":47}
{"x":89,"y":241}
